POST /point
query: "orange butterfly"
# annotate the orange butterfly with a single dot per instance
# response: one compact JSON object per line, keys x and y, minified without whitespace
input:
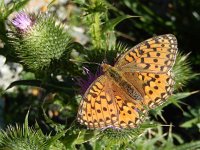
{"x":141,"y":79}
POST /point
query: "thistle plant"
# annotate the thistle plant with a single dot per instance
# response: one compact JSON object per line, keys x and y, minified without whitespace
{"x":27,"y":138}
{"x":39,"y":42}
{"x":45,"y":49}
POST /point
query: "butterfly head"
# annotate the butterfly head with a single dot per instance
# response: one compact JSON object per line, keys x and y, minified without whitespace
{"x":105,"y":67}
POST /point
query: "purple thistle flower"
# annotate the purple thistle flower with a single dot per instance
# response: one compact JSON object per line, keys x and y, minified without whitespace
{"x":85,"y":83}
{"x":22,"y":21}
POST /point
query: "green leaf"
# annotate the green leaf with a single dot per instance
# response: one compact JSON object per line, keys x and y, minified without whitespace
{"x":110,"y":25}
{"x":190,"y":123}
{"x":38,"y":129}
{"x":2,"y":22}
{"x":56,"y":137}
{"x":78,"y":47}
{"x":26,"y":128}
{"x":58,"y":127}
{"x":80,"y":2}
{"x":84,"y":136}
{"x":181,"y":95}
{"x":189,"y":146}
{"x":174,"y":99}
{"x":25,"y":82}
{"x":38,"y":83}
{"x":15,"y":6}
{"x":76,"y":136}
{"x":2,"y":10}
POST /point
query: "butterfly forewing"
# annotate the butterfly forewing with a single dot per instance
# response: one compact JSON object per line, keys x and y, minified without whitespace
{"x":98,"y":109}
{"x":155,"y":55}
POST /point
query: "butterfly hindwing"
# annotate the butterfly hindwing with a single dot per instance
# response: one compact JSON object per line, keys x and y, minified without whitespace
{"x":156,"y":88}
{"x":131,"y":112}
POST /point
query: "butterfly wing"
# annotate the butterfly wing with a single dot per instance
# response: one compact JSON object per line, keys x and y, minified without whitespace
{"x":131,"y":112}
{"x":147,"y":67}
{"x":155,"y":55}
{"x":97,"y":108}
{"x":106,"y":105}
{"x":156,"y":88}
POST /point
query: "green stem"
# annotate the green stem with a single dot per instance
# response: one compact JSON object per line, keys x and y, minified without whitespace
{"x":95,"y":28}
{"x":96,"y":31}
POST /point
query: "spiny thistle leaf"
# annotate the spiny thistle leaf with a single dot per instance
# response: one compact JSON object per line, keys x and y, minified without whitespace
{"x":15,"y":138}
{"x":26,"y":138}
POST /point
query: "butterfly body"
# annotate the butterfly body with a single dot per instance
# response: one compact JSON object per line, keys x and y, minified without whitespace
{"x":141,"y":79}
{"x":116,"y":75}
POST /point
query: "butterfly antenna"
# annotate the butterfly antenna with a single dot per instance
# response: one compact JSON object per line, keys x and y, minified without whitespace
{"x":105,"y":60}
{"x":84,"y":62}
{"x":107,"y":49}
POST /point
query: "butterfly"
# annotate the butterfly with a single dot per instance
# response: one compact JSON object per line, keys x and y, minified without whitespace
{"x":140,"y":80}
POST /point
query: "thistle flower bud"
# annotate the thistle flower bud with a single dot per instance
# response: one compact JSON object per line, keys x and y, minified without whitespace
{"x":39,"y":42}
